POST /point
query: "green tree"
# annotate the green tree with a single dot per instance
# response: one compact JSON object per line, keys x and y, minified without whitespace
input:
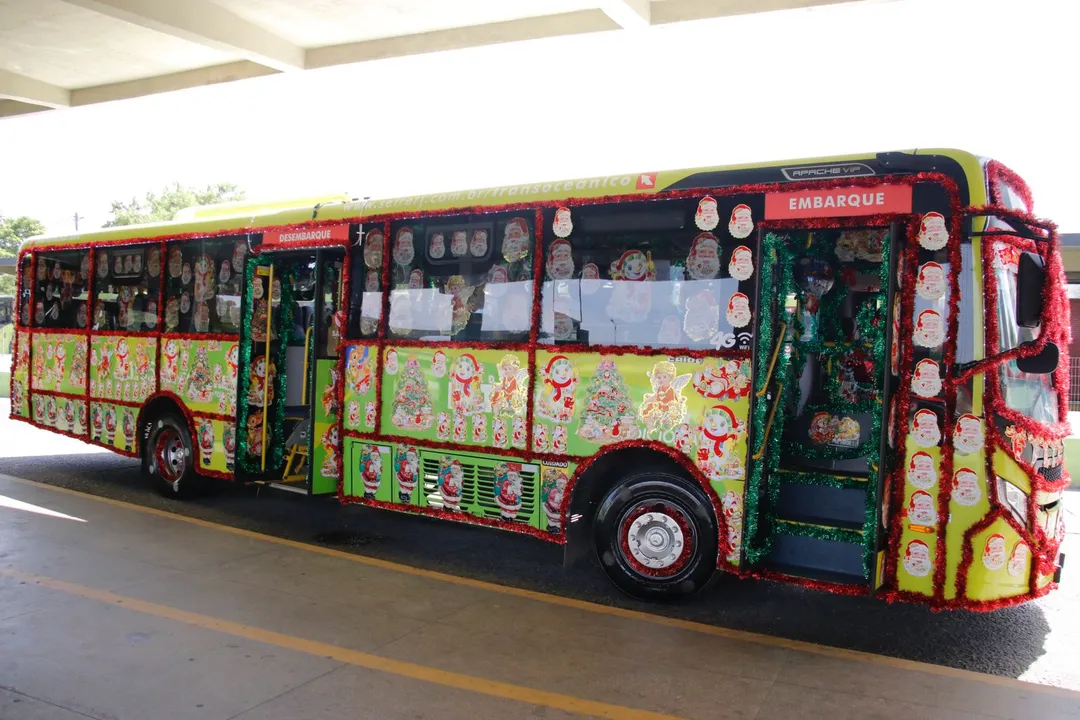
{"x":160,"y":207}
{"x":12,"y":232}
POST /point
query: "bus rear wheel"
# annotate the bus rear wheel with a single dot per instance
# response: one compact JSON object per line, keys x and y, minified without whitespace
{"x":168,"y":458}
{"x":656,"y":536}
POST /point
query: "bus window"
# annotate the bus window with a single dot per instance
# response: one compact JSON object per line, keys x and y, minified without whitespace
{"x":127,"y":288}
{"x":203,"y":281}
{"x":26,"y":292}
{"x":329,"y":301}
{"x":60,"y":288}
{"x":645,"y":275}
{"x":467,"y":278}
{"x":365,"y":294}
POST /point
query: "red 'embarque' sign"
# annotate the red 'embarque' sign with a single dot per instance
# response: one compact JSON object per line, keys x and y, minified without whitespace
{"x":838,"y":202}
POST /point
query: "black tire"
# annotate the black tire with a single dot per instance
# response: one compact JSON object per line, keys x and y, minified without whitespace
{"x":168,"y":458}
{"x":674,"y":506}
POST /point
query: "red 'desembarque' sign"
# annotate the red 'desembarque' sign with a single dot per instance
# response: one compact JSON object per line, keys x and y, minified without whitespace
{"x":328,"y":234}
{"x":838,"y":202}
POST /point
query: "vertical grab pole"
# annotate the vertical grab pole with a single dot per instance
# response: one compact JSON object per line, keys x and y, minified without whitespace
{"x":266,"y":363}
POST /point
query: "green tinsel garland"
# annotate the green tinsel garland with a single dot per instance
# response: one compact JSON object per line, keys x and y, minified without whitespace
{"x":824,"y":479}
{"x":821,"y":532}
{"x":243,"y":378}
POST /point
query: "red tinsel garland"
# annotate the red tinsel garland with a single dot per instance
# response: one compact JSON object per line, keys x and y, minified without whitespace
{"x":832,"y":587}
{"x":997,"y":172}
{"x":534,"y":332}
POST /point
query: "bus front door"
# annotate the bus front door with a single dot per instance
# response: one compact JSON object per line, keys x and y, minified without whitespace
{"x":820,"y":390}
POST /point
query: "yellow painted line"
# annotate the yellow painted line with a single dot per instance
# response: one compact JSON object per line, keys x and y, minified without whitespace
{"x":414,"y":671}
{"x":585,"y":606}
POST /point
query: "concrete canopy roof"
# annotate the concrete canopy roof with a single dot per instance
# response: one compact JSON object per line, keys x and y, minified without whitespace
{"x":66,"y":53}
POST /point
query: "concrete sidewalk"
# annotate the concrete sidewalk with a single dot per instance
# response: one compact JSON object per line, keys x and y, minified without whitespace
{"x":110,"y":610}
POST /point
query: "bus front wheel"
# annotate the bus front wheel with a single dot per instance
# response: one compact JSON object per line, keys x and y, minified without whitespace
{"x":656,"y":536}
{"x":168,"y":458}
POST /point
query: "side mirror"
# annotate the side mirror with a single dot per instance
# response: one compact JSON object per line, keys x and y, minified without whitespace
{"x":1030,"y":279}
{"x":1041,"y":364}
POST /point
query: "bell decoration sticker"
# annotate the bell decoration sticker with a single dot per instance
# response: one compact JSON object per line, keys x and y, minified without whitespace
{"x":702,"y":318}
{"x":738,"y":310}
{"x":927,"y":379}
{"x":703,"y":260}
{"x":437,"y":246}
{"x":563,"y":224}
{"x":478,"y":244}
{"x":459,"y":243}
{"x":968,"y":435}
{"x":966,"y":490}
{"x":560,"y":261}
{"x":922,"y":473}
{"x":1019,"y":558}
{"x":929,"y":329}
{"x":993,"y":557}
{"x":930,"y":284}
{"x":707,"y":217}
{"x":917,"y":558}
{"x":741,"y":264}
{"x":741,"y":223}
{"x":924,"y":428}
{"x":933,"y":232}
{"x":920,"y":510}
{"x":516,"y":239}
{"x":404,"y":251}
{"x":373,"y":248}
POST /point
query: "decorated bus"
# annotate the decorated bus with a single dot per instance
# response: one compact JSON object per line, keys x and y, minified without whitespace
{"x":840,"y":372}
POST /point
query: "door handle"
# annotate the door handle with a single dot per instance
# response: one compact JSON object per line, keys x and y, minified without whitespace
{"x":772,"y":362}
{"x":768,"y":423}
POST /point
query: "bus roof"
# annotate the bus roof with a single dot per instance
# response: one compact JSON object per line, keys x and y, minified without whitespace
{"x":243,"y":217}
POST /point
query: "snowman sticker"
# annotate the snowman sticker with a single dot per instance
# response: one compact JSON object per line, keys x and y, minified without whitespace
{"x":741,"y":264}
{"x":921,"y":509}
{"x":741,"y":223}
{"x":930,"y":284}
{"x":929,"y":329}
{"x":966,"y":490}
{"x":437,"y":246}
{"x":563,"y":224}
{"x":924,"y":428}
{"x":933,"y":233}
{"x":403,"y":247}
{"x":927,"y":380}
{"x":560,"y":264}
{"x":478,"y":244}
{"x":373,"y":248}
{"x":459,"y":243}
{"x":1019,"y":558}
{"x":968,"y":436}
{"x":917,"y":558}
{"x":703,"y":260}
{"x":738,"y":310}
{"x":707,"y":216}
{"x":993,"y":557}
{"x":921,"y":471}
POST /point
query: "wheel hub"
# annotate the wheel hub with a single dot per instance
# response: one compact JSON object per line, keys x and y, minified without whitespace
{"x":656,"y":540}
{"x":170,"y":455}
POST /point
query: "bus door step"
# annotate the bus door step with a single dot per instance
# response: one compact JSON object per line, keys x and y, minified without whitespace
{"x":808,"y":550}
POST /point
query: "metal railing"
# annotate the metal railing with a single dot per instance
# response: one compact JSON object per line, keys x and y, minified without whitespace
{"x":1074,"y":383}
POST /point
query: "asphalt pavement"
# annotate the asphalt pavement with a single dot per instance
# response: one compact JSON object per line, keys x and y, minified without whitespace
{"x":1038,"y":641}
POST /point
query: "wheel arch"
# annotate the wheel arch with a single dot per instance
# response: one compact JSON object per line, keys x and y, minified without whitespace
{"x":595,"y":477}
{"x":155,"y":406}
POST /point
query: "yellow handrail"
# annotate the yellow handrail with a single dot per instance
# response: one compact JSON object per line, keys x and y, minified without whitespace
{"x":768,"y":425}
{"x":266,"y":361}
{"x":307,"y":348}
{"x":772,"y":363}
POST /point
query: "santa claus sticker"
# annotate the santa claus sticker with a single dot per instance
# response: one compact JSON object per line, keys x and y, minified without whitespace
{"x":707,"y":216}
{"x":968,"y":435}
{"x":929,"y":329}
{"x":702,"y":317}
{"x":563,"y":224}
{"x":459,"y":243}
{"x":703,"y":260}
{"x":927,"y":379}
{"x":478,"y":243}
{"x":917,"y":558}
{"x":373,"y":248}
{"x":515,"y":244}
{"x":437,"y":246}
{"x":924,"y":428}
{"x":966,"y":490}
{"x":921,"y":509}
{"x":560,"y":261}
{"x":993,"y":557}
{"x":741,"y":223}
{"x":741,"y":264}
{"x":738,"y":310}
{"x":931,"y":282}
{"x":933,"y":233}
{"x":1018,"y":560}
{"x":922,"y":473}
{"x":403,"y":247}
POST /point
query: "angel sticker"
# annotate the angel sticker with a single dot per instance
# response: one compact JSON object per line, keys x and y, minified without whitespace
{"x":509,"y":396}
{"x":665,"y":407}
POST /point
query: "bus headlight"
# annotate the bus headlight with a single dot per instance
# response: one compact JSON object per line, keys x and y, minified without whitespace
{"x":1013,"y":498}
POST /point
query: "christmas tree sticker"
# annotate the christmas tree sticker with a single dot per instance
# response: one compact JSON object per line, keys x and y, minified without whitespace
{"x":412,"y":401}
{"x":201,"y":380}
{"x":608,"y":415}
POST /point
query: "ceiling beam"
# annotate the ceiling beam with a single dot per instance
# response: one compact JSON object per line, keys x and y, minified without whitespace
{"x":31,"y":91}
{"x":204,"y":23}
{"x":630,"y":14}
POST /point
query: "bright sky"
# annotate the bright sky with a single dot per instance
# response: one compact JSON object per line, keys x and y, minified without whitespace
{"x":995,"y":77}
